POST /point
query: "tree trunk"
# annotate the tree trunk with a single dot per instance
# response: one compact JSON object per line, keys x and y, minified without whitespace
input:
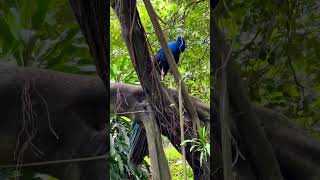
{"x":256,"y":146}
{"x":296,"y":151}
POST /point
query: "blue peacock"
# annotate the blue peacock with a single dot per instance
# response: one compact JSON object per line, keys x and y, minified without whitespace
{"x":176,"y":49}
{"x":138,"y":140}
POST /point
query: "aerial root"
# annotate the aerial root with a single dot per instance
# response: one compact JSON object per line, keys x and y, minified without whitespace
{"x":28,"y":129}
{"x":29,"y":126}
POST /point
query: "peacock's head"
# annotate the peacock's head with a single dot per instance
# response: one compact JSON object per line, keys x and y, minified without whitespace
{"x":181,"y":43}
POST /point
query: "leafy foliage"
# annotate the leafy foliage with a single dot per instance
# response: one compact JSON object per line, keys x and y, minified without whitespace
{"x":201,"y":144}
{"x":277,"y":45}
{"x":119,"y":141}
{"x":42,"y":34}
{"x":175,"y":164}
{"x":121,"y":69}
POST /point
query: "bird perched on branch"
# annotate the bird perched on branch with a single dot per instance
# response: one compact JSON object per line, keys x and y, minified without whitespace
{"x":176,"y":49}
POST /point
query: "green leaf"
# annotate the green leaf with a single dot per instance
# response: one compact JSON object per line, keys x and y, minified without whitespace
{"x":201,"y":158}
{"x":26,"y":13}
{"x":6,"y":37}
{"x":12,"y":18}
{"x":208,"y":148}
{"x":186,"y":141}
{"x":41,"y":13}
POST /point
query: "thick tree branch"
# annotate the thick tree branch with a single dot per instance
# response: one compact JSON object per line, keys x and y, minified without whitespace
{"x":93,"y":17}
{"x":224,"y":115}
{"x":258,"y":148}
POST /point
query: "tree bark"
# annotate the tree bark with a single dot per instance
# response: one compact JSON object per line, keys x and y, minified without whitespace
{"x":296,"y":151}
{"x":93,"y":17}
{"x":64,"y":120}
{"x":159,"y":163}
{"x":257,"y":147}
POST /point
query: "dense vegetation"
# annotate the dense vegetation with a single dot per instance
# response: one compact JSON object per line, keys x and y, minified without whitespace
{"x":277,"y":45}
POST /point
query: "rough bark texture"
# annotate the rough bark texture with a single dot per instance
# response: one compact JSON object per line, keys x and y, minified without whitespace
{"x":52,"y":116}
{"x":93,"y":17}
{"x":72,"y":99}
{"x":159,"y":163}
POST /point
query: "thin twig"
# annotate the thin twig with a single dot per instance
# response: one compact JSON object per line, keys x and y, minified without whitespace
{"x":47,"y":111}
{"x":227,"y":59}
{"x":183,"y":150}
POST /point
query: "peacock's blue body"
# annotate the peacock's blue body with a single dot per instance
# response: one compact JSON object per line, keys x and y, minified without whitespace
{"x":176,"y":49}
